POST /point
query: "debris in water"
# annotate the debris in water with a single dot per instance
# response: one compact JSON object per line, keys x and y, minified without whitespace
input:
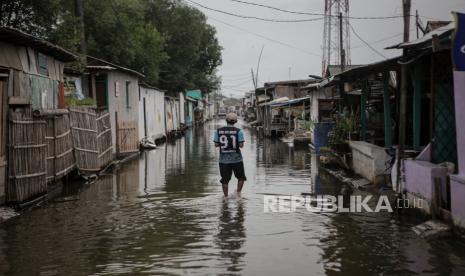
{"x":431,"y":228}
{"x":7,"y":213}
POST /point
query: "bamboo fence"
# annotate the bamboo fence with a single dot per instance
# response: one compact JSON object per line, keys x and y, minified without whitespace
{"x":27,"y":158}
{"x":60,"y":155}
{"x":104,"y":138}
{"x":84,"y":132}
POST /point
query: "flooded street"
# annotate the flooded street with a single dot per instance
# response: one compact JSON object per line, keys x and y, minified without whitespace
{"x":164,"y":214}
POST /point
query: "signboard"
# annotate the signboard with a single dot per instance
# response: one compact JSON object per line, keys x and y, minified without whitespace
{"x":116,"y":89}
{"x":458,"y":46}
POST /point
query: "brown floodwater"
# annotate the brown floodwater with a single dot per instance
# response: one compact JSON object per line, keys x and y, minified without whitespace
{"x":164,"y":214}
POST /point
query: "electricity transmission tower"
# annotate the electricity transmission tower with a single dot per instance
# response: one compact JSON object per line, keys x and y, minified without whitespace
{"x":336,"y":34}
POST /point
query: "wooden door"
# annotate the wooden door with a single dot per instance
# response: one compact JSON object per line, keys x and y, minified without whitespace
{"x":101,"y":91}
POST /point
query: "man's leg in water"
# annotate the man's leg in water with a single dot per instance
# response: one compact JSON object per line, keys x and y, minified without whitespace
{"x":240,"y":184}
{"x":225,"y":189}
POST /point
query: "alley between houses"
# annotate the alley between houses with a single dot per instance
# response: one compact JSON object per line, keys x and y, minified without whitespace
{"x":164,"y":214}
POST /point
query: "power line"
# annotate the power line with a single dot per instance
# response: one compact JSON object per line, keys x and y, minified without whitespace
{"x":315,"y":14}
{"x":366,"y":43}
{"x":380,"y":40}
{"x":265,"y":37}
{"x":254,"y":17}
{"x":242,"y":83}
{"x":236,"y":75}
{"x":236,"y":79}
{"x":237,"y":90}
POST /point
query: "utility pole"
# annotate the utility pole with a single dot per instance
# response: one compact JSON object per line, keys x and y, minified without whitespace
{"x":403,"y":93}
{"x":253,"y":79}
{"x":417,"y":22}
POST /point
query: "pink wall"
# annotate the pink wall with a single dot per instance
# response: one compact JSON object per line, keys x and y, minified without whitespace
{"x":419,"y":177}
{"x":457,"y":185}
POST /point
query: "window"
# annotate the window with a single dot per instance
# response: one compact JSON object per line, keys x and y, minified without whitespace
{"x":127,"y":94}
{"x":43,"y":65}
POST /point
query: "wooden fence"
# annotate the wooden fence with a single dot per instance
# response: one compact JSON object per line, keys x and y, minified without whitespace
{"x":104,"y":138}
{"x":27,"y":158}
{"x":127,"y":137}
{"x":60,"y":155}
{"x":84,"y":132}
{"x":47,"y":146}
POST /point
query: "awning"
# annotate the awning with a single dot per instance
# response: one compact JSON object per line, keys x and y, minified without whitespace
{"x":289,"y":102}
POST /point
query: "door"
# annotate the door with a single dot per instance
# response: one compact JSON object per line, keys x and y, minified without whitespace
{"x":101,"y":90}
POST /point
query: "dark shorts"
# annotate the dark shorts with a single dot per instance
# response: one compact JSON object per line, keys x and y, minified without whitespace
{"x":226,"y":171}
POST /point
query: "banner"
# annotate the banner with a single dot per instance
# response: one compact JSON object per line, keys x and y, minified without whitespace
{"x":458,"y":44}
{"x":458,"y":58}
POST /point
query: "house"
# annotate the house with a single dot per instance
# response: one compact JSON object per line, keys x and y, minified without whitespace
{"x":182,"y":110}
{"x":272,"y":120}
{"x":248,"y":106}
{"x":434,"y":127}
{"x":31,"y":77}
{"x":116,"y":88}
{"x":189,"y":111}
{"x":152,"y":113}
{"x":171,"y":117}
{"x":363,"y":97}
{"x":196,"y":97}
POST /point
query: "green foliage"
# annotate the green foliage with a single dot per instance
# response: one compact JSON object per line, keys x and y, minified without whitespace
{"x":32,"y":16}
{"x":343,"y":127}
{"x":191,"y":44}
{"x":71,"y":101}
{"x":169,"y":42}
{"x":307,"y":125}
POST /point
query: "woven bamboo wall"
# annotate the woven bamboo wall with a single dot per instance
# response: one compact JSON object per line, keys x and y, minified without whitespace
{"x":104,"y":139}
{"x":60,"y":155}
{"x":84,"y":132}
{"x":27,"y":158}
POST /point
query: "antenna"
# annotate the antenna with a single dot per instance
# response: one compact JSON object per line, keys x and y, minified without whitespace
{"x":336,"y":34}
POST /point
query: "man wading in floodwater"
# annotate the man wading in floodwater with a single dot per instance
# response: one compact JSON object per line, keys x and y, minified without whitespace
{"x":230,"y":139}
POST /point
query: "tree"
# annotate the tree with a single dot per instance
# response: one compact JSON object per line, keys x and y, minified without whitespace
{"x":191,"y":44}
{"x":169,"y":42}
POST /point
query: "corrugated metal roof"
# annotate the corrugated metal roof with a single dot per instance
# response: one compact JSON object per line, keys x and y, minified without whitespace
{"x":290,"y":82}
{"x":333,"y":70}
{"x":94,"y":63}
{"x":288,"y":102}
{"x":441,"y":32}
{"x":17,"y":37}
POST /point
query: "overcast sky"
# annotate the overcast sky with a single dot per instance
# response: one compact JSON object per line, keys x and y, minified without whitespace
{"x":242,"y":39}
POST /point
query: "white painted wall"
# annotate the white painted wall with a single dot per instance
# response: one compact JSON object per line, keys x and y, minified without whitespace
{"x":116,"y":88}
{"x":182,"y":105}
{"x":154,"y":112}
